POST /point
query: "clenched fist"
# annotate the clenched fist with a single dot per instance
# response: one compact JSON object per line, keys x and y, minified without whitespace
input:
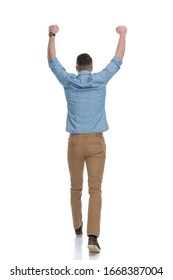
{"x":121,"y":29}
{"x":54,"y":29}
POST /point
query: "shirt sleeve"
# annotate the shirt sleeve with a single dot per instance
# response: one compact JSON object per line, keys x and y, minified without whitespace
{"x":110,"y":70}
{"x":59,"y":71}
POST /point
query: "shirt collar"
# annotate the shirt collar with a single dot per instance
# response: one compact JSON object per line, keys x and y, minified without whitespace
{"x":84,"y":72}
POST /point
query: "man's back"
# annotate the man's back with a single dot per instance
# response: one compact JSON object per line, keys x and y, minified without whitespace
{"x":85,"y":94}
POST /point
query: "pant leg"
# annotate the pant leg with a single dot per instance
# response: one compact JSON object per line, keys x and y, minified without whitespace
{"x":76,"y":167}
{"x":95,"y":162}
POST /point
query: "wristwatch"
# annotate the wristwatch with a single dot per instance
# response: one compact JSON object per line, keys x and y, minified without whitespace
{"x":51,"y":34}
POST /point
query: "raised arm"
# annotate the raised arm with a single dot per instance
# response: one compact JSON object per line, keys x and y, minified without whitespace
{"x":120,"y":50}
{"x":51,"y":51}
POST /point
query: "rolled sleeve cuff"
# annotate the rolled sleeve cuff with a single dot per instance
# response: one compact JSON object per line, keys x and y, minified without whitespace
{"x":53,"y":61}
{"x":117,"y":60}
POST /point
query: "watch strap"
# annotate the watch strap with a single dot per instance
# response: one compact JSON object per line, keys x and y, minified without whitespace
{"x":51,"y":34}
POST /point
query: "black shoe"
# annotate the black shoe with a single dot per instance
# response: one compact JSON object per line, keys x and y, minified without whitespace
{"x":93,"y":245}
{"x":78,"y":231}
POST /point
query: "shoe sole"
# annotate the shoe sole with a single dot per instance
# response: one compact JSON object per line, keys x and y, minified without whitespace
{"x":93,"y":249}
{"x":79,"y":235}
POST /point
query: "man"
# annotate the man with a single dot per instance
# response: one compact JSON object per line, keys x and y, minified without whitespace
{"x":86,"y":121}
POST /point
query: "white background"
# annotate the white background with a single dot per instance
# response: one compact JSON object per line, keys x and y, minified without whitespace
{"x":36,"y":225}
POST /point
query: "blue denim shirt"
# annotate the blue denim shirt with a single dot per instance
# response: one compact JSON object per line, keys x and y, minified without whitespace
{"x":85,"y":94}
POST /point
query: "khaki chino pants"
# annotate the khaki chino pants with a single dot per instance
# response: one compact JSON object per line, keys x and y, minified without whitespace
{"x":89,"y":149}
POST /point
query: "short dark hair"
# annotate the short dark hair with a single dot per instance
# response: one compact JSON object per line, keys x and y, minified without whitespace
{"x":84,"y":59}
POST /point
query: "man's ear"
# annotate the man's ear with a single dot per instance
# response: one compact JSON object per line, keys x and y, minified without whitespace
{"x":77,"y":68}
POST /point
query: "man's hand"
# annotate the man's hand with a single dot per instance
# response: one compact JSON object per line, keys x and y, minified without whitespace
{"x":51,"y":51}
{"x":54,"y":29}
{"x":121,"y":30}
{"x":120,"y":50}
